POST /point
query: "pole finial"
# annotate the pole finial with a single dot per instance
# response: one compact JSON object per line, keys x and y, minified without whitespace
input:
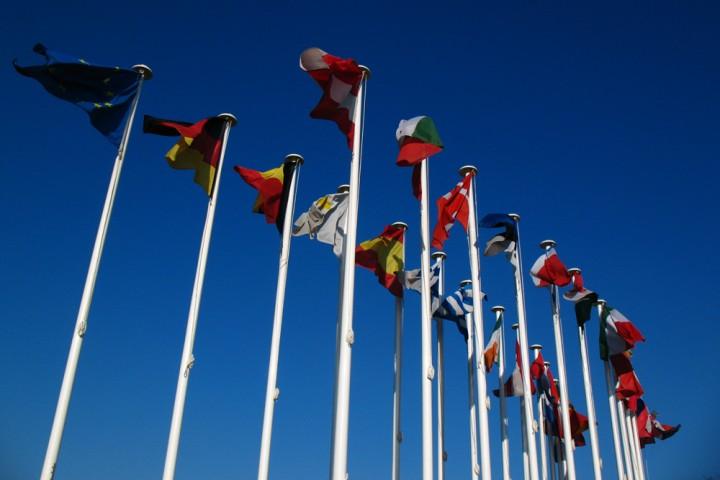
{"x":229,"y":117}
{"x":294,"y":158}
{"x":547,"y":364}
{"x":515,"y":326}
{"x":465,"y":169}
{"x":547,"y":244}
{"x":366,"y":70}
{"x":498,"y":308}
{"x":602,"y":302}
{"x":465,"y":282}
{"x":514,"y":216}
{"x":574,"y":270}
{"x":145,"y":71}
{"x":402,"y":225}
{"x":535,"y":346}
{"x":344,"y":188}
{"x":442,"y":255}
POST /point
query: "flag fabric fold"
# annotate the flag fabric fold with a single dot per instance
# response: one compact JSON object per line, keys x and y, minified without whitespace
{"x":492,"y":349}
{"x":549,"y":270}
{"x":583,"y":299}
{"x":628,"y":386}
{"x":455,"y":306}
{"x":617,"y":333}
{"x":325,"y":221}
{"x":504,"y":241}
{"x":451,"y":207}
{"x":514,"y":384}
{"x":105,"y":93}
{"x":273,"y":190}
{"x":384,"y":256}
{"x":418,"y":139}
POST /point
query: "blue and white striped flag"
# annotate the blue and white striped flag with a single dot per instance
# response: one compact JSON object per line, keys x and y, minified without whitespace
{"x":455,"y":306}
{"x":412,"y":280}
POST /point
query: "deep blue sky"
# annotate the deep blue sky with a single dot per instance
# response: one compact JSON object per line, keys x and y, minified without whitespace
{"x":598,"y":124}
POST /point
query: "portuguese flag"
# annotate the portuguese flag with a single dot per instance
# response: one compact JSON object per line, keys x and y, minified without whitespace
{"x":273,"y":190}
{"x":198,"y":148}
{"x":384,"y":255}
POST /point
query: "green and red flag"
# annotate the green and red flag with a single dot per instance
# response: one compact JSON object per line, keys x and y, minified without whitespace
{"x":384,"y":255}
{"x":273,"y":190}
{"x":418,"y":139}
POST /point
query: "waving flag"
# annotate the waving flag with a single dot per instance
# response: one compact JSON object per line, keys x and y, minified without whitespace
{"x":325,"y":221}
{"x":418,"y":139}
{"x":452,"y":206}
{"x":628,"y":386}
{"x":198,"y":148}
{"x":492,"y":349}
{"x":455,"y":306}
{"x":504,"y":241}
{"x":105,"y":93}
{"x":617,"y":333}
{"x":549,"y":270}
{"x":412,"y":279}
{"x":340,"y":81}
{"x":583,"y":299}
{"x":514,"y":385}
{"x":384,"y":255}
{"x":273,"y":187}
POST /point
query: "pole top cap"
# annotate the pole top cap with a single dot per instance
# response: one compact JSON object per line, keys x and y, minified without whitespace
{"x":366,"y":70}
{"x":547,"y":244}
{"x":498,"y":308}
{"x":229,"y":117}
{"x":535,"y":346}
{"x":442,"y":255}
{"x":556,"y":381}
{"x":344,"y":188}
{"x":547,"y":364}
{"x":465,"y":169}
{"x":402,"y":225}
{"x":574,"y":270}
{"x":143,"y":70}
{"x":601,"y":301}
{"x":515,"y":326}
{"x":465,"y":282}
{"x":294,"y":158}
{"x":514,"y":216}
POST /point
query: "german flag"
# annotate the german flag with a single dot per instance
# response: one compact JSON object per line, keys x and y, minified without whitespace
{"x":273,"y":189}
{"x":384,"y":255}
{"x":198,"y":148}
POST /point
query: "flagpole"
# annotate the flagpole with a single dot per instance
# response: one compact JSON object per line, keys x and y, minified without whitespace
{"x":471,"y":355}
{"x":504,"y":440}
{"x":58,"y":425}
{"x":524,"y":352}
{"x":629,"y":467}
{"x":483,"y":401}
{"x":397,"y":385}
{"x":541,"y":421}
{"x":562,"y":373}
{"x":346,"y":336}
{"x":589,"y":401}
{"x":617,"y":443}
{"x":631,"y":444}
{"x":635,"y":444}
{"x":441,"y":453}
{"x":551,"y":453}
{"x":638,"y":449}
{"x":188,"y":360}
{"x":272,"y":392}
{"x":523,"y":431}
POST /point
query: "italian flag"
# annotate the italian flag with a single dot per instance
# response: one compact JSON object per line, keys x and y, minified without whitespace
{"x":617,"y":333}
{"x":493,"y":346}
{"x":418,"y":139}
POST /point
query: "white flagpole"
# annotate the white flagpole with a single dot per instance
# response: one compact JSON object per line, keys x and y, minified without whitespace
{"x":553,"y":454}
{"x":504,"y":440}
{"x":272,"y":392}
{"x":472,"y":405}
{"x":631,"y":444}
{"x":550,"y":439}
{"x":187,"y":360}
{"x":441,"y":453}
{"x":524,"y":352}
{"x":635,"y":444}
{"x":614,"y":420}
{"x":58,"y":426}
{"x":541,"y":421}
{"x":562,"y":373}
{"x":397,"y":384}
{"x":483,"y":401}
{"x":346,"y":336}
{"x":523,"y":430}
{"x":629,"y":467}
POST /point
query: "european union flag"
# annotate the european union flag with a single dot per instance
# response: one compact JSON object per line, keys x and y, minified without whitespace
{"x":105,"y":93}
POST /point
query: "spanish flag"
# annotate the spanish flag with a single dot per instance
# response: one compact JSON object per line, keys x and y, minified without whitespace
{"x":273,"y":189}
{"x":384,"y":255}
{"x":198,"y":148}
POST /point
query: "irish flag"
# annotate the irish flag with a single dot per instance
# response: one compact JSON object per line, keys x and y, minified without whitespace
{"x":384,"y":255}
{"x":493,"y":346}
{"x":617,"y":333}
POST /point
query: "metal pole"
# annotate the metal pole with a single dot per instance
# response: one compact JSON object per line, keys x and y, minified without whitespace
{"x":523,"y":430}
{"x":562,"y":373}
{"x":346,"y":336}
{"x":631,"y":444}
{"x":272,"y":392}
{"x":187,"y":360}
{"x":471,"y":355}
{"x":541,"y":422}
{"x":629,"y":467}
{"x":505,"y":442}
{"x":632,"y":418}
{"x":524,"y":352}
{"x":58,"y":426}
{"x":441,"y":453}
{"x":397,"y":384}
{"x":483,"y":401}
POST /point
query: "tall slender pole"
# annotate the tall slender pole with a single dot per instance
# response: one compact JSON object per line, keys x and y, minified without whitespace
{"x":589,"y":401}
{"x":346,"y":336}
{"x":562,"y":373}
{"x":504,"y":439}
{"x":471,"y":354}
{"x":397,"y":384}
{"x":617,"y":442}
{"x":549,"y":436}
{"x":541,"y":421}
{"x":553,"y":457}
{"x":631,"y":445}
{"x":523,"y":431}
{"x":441,"y":453}
{"x":524,"y":351}
{"x":272,"y":392}
{"x":483,"y":401}
{"x":635,"y":444}
{"x":627,"y":454}
{"x":58,"y":425}
{"x":188,"y":359}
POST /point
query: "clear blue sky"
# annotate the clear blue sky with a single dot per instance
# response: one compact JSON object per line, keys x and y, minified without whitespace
{"x":598,"y":124}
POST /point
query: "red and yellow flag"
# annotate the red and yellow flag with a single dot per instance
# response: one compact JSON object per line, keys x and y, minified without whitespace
{"x":272,"y":186}
{"x":384,"y":255}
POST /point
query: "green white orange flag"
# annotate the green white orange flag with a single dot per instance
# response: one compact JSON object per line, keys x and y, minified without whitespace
{"x":492,"y":349}
{"x":418,"y":139}
{"x":273,"y":189}
{"x":384,"y":255}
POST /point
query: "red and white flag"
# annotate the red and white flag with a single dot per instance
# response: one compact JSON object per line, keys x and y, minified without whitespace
{"x":628,"y":386}
{"x":452,"y":206}
{"x":549,"y":270}
{"x":514,"y":385}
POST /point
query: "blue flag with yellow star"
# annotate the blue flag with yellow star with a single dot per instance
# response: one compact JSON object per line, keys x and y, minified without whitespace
{"x":105,"y":93}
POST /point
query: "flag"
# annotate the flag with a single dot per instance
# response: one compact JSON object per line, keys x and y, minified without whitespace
{"x":273,"y":188}
{"x":644,"y":424}
{"x":547,"y":386}
{"x":662,"y":431}
{"x":514,"y":384}
{"x":504,"y":241}
{"x":412,"y":279}
{"x":578,"y":424}
{"x":340,"y":81}
{"x":325,"y":221}
{"x":628,"y":386}
{"x":384,"y":255}
{"x":617,"y":333}
{"x":583,"y":299}
{"x":492,"y":349}
{"x":105,"y":93}
{"x":549,"y":270}
{"x":455,"y":306}
{"x":198,"y":148}
{"x":418,"y":139}
{"x":537,"y":367}
{"x":452,"y":206}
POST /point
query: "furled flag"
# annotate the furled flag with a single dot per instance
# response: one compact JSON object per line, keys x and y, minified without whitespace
{"x":492,"y":349}
{"x":537,"y":368}
{"x":418,"y":139}
{"x":514,"y":384}
{"x":644,"y":423}
{"x":455,"y":306}
{"x":628,"y":386}
{"x":198,"y":148}
{"x":546,"y":384}
{"x":617,"y":333}
{"x":504,"y":241}
{"x":384,"y":255}
{"x":105,"y":93}
{"x":583,"y":298}
{"x":452,"y":206}
{"x":549,"y":270}
{"x":325,"y":221}
{"x":340,"y":81}
{"x":273,"y":188}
